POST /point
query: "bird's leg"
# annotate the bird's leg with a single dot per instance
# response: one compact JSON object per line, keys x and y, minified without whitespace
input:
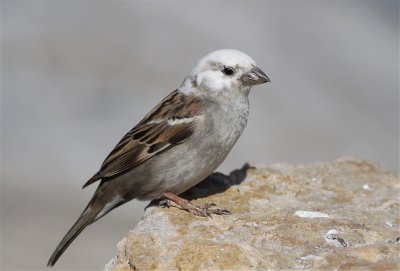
{"x":204,"y":210}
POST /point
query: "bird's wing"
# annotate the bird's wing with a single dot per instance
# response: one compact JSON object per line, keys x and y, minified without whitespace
{"x":170,"y":123}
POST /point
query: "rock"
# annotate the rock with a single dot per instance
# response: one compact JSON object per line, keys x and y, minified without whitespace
{"x":340,"y":215}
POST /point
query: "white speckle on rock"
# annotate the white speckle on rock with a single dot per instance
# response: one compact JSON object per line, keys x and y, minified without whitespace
{"x":389,"y":224}
{"x":332,"y":237}
{"x":366,"y":187}
{"x":330,"y":232}
{"x":309,"y":214}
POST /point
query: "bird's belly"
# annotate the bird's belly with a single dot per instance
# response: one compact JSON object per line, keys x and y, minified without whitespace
{"x":180,"y":169}
{"x":175,"y":170}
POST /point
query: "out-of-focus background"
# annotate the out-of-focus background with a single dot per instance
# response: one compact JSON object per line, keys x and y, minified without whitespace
{"x":77,"y":75}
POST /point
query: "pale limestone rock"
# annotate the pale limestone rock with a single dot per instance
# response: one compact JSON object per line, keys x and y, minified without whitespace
{"x":341,"y":215}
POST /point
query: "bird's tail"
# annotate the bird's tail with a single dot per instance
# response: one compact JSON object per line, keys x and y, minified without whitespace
{"x":87,"y":217}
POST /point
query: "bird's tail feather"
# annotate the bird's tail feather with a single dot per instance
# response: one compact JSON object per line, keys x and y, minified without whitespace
{"x":87,"y":217}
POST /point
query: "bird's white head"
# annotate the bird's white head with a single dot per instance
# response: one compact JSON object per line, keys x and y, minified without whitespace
{"x":224,"y":71}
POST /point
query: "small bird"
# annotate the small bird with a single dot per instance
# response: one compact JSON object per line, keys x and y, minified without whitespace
{"x":178,"y":143}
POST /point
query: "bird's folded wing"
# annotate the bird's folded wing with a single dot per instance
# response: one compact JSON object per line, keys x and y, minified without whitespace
{"x":171,"y":123}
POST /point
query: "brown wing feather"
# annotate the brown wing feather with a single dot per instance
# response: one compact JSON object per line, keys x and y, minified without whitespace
{"x":152,"y":136}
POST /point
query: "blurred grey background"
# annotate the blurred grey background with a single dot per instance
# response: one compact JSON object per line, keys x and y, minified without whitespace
{"x":77,"y":75}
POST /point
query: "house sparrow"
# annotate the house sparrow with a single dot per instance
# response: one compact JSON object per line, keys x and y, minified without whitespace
{"x":178,"y":143}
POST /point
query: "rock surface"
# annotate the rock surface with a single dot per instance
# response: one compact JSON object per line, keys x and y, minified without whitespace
{"x":340,"y":215}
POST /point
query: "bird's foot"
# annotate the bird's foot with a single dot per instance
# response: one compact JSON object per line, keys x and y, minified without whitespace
{"x":204,"y":210}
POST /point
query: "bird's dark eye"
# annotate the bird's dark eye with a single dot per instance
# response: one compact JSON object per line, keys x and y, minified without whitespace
{"x":228,"y":71}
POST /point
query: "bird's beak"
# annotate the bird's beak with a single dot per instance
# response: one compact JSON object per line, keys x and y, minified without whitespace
{"x":254,"y":77}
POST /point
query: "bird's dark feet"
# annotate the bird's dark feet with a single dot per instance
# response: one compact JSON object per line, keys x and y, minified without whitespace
{"x":204,"y":210}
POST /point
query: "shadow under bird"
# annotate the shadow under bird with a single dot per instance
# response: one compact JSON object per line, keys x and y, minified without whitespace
{"x":178,"y":143}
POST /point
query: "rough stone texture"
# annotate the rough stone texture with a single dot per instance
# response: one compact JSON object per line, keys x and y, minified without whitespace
{"x":340,"y":215}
